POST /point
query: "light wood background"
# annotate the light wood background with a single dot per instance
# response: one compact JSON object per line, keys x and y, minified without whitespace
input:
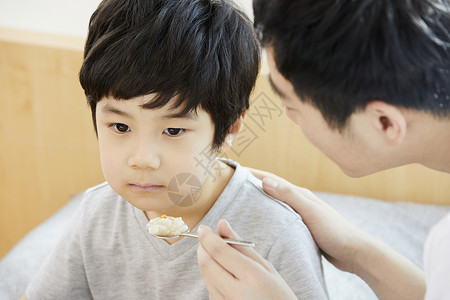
{"x":49,"y":151}
{"x":48,"y":147}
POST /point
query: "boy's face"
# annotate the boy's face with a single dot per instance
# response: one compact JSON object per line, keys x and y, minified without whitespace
{"x":143,"y":150}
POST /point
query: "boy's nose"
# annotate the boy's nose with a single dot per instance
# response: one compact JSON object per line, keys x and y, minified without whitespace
{"x":145,"y":156}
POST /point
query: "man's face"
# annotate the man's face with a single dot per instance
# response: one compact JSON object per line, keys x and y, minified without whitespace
{"x":345,"y":148}
{"x":143,"y":150}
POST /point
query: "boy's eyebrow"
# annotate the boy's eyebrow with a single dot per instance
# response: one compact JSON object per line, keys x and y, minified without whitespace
{"x":108,"y":108}
{"x":112,"y":110}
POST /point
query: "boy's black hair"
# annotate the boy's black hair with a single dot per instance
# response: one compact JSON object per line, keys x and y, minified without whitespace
{"x":341,"y":54}
{"x":202,"y":53}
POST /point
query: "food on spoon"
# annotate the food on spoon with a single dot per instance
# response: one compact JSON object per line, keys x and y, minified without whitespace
{"x":165,"y":226}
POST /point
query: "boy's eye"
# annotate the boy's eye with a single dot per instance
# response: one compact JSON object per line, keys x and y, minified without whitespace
{"x":119,"y":127}
{"x":174,"y":131}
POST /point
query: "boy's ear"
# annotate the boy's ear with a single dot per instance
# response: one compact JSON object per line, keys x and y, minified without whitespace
{"x":234,"y":130}
{"x":237,"y":125}
{"x":388,"y":120}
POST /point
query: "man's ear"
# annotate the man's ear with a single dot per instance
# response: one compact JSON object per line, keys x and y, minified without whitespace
{"x":234,"y":130}
{"x":389,"y":120}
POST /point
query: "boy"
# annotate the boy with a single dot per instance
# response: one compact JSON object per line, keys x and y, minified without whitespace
{"x":368,"y":82}
{"x":167,"y":81}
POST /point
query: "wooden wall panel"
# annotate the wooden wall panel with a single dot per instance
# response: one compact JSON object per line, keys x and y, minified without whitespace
{"x":48,"y":147}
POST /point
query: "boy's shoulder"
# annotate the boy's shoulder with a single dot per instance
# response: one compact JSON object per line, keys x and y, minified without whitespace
{"x":259,"y":217}
{"x":102,"y":188}
{"x":102,"y":212}
{"x":100,"y":198}
{"x":100,"y":193}
{"x":251,"y":196}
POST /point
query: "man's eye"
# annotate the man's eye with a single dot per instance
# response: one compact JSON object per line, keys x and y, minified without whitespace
{"x":119,"y":127}
{"x":174,"y":131}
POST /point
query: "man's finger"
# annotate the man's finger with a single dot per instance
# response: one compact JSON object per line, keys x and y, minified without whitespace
{"x":263,"y":174}
{"x":214,"y":276}
{"x":296,"y":197}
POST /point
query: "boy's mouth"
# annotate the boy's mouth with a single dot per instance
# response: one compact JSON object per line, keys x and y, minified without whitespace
{"x":146,"y":186}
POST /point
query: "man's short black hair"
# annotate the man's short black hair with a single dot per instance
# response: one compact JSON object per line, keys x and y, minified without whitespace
{"x":341,"y":54}
{"x":202,"y":53}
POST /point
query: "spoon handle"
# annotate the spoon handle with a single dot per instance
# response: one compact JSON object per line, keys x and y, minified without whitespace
{"x":228,"y":241}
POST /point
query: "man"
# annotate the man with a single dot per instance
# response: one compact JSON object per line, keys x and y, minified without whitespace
{"x":368,"y":82}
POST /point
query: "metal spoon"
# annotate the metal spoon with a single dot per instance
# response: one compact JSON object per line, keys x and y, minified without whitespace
{"x":228,"y":241}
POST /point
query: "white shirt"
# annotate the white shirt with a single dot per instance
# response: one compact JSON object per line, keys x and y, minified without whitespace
{"x":437,"y":261}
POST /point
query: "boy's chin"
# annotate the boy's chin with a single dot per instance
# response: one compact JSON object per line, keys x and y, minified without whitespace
{"x":154,"y":207}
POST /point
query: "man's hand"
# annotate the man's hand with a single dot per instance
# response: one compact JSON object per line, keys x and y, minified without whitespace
{"x":389,"y":274}
{"x":338,"y":239}
{"x":237,"y":272}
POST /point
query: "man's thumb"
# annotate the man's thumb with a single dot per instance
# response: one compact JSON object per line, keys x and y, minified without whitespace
{"x":271,"y":187}
{"x":281,"y":191}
